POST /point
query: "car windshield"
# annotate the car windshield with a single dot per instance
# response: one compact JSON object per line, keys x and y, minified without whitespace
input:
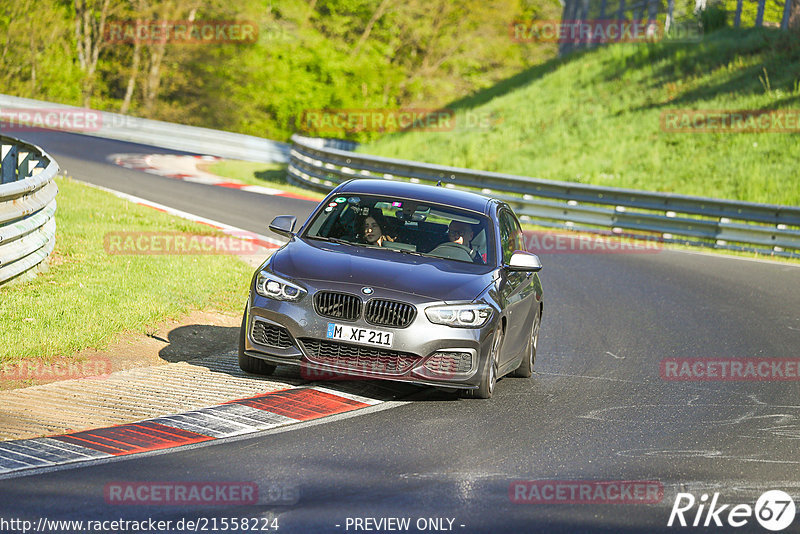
{"x":404,"y":225}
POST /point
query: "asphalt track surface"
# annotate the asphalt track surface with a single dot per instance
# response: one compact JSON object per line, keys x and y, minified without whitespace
{"x":597,"y":409}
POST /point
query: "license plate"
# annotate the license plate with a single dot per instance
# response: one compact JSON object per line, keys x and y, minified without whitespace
{"x":354,"y":334}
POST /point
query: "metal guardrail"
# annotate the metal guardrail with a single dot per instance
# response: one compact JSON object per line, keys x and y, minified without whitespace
{"x":163,"y":134}
{"x":728,"y":224}
{"x":27,"y":206}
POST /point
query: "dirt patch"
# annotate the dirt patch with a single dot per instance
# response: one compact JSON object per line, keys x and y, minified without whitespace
{"x":197,"y":335}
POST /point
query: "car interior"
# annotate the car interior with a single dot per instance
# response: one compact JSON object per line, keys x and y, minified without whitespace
{"x":413,"y":228}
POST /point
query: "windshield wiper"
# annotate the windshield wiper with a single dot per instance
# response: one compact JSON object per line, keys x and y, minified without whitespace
{"x":412,"y":252}
{"x":330,"y":239}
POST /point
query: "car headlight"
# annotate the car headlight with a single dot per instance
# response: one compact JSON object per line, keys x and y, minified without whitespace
{"x":461,"y":315}
{"x":274,"y":287}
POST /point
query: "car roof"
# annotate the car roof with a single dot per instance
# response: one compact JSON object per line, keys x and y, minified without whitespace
{"x":425,"y":193}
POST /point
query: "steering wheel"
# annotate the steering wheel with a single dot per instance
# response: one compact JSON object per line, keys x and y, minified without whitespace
{"x":452,"y":251}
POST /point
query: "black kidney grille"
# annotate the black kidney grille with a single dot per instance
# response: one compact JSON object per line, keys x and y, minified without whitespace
{"x":271,"y":335}
{"x":337,"y":305}
{"x":359,"y":358}
{"x":389,"y":313}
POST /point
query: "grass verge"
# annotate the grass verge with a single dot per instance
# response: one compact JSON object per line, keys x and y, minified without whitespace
{"x":596,"y":117}
{"x":89,"y":296}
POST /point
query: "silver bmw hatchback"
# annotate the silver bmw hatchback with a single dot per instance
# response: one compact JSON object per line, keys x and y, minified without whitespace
{"x":398,"y":281}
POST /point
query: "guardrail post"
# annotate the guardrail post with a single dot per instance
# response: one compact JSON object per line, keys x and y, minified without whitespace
{"x":9,"y":166}
{"x":23,"y":167}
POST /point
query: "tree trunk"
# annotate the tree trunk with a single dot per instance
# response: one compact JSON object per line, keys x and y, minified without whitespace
{"x":142,"y":10}
{"x":89,"y":29}
{"x":126,"y":102}
{"x":33,"y":60}
{"x":154,"y":76}
{"x":794,"y":16}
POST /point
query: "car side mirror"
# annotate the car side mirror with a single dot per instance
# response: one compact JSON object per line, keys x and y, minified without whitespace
{"x":283,"y":225}
{"x":524,"y":261}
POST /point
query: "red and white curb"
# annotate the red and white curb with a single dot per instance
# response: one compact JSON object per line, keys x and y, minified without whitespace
{"x":257,"y":239}
{"x":185,"y":168}
{"x":234,"y":418}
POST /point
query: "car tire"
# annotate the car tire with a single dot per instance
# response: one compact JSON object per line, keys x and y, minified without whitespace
{"x":489,"y":375}
{"x":525,"y":369}
{"x":248,"y":364}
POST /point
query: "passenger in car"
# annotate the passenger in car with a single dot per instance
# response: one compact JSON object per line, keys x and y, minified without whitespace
{"x":461,"y":233}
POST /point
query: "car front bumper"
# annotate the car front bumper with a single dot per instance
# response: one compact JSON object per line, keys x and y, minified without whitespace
{"x":424,"y":353}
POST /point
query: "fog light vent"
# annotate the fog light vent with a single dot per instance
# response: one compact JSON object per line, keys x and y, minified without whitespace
{"x":448,"y":363}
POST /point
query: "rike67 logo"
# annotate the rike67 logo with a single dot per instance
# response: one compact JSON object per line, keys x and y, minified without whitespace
{"x":774,"y":510}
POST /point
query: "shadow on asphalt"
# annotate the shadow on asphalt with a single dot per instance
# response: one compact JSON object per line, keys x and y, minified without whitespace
{"x":215,"y":348}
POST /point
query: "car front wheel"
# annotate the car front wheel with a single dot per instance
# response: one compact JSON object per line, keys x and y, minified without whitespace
{"x":248,"y":364}
{"x":489,"y":376}
{"x":525,"y":369}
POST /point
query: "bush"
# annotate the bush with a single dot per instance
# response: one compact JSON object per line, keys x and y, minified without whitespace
{"x":713,"y":17}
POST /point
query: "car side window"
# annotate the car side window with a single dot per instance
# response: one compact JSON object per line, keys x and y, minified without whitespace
{"x":519,"y":237}
{"x":510,"y":235}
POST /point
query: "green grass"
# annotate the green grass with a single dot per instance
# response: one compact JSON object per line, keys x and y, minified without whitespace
{"x":263,"y":174}
{"x":594,"y":117}
{"x":89,"y":296}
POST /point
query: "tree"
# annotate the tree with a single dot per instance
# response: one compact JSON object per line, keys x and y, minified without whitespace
{"x":794,"y":16}
{"x":90,"y":26}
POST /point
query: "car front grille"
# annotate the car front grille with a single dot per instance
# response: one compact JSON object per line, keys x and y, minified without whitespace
{"x":271,"y":335}
{"x":381,"y":312}
{"x":448,"y":363}
{"x":337,"y":305}
{"x":359,"y":358}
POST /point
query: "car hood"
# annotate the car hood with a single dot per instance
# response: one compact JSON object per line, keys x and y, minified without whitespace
{"x":431,"y":278}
